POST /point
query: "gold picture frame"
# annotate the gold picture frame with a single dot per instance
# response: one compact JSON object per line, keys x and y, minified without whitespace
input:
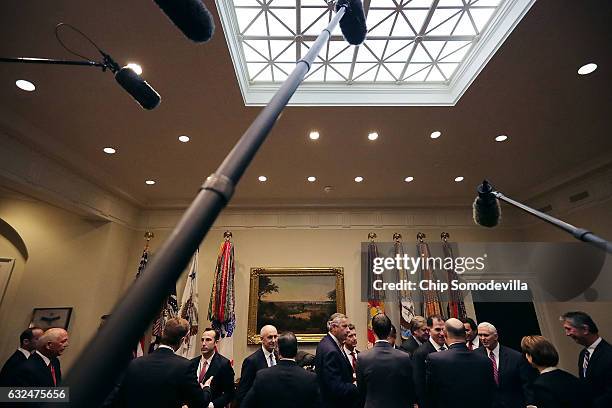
{"x":295,"y":299}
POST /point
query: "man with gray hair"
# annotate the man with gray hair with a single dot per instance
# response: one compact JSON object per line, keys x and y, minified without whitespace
{"x":511,"y":372}
{"x":450,"y":373}
{"x":264,"y":357}
{"x":43,"y":369}
{"x":594,"y":360}
{"x":334,"y":371}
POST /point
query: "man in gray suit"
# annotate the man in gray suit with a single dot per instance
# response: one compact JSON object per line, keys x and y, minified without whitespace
{"x":384,"y":374}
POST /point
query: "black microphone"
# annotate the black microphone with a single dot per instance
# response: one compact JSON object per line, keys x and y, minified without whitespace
{"x":191,"y":17}
{"x":353,"y":23}
{"x":140,"y":90}
{"x":487,"y":211}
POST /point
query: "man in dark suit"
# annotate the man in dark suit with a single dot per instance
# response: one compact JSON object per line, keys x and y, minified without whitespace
{"x":554,"y":388}
{"x":450,"y":373}
{"x":28,"y":341}
{"x":286,"y":385}
{"x":334,"y":372}
{"x":349,"y":347}
{"x":471,"y":334}
{"x":384,"y":374}
{"x":163,"y":379}
{"x":419,"y":334}
{"x":435,"y":343}
{"x":264,"y":357}
{"x":213,"y":364}
{"x":43,"y":369}
{"x":511,"y":372}
{"x":595,"y":360}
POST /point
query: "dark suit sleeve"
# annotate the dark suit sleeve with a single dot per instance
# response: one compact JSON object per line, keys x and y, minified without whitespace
{"x":196,"y":396}
{"x":361,"y":385}
{"x":247,"y":376}
{"x":418,"y":375}
{"x":431,"y":383}
{"x":528,"y":375}
{"x":250,"y":399}
{"x":332,"y":377}
{"x":224,"y":382}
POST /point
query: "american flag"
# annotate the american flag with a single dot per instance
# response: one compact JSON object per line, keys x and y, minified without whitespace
{"x":138,"y":350}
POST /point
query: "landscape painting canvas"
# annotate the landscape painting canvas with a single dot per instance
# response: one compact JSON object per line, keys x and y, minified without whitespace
{"x":299,"y":300}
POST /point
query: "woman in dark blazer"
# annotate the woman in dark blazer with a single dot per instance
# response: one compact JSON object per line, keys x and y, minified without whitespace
{"x":554,"y":388}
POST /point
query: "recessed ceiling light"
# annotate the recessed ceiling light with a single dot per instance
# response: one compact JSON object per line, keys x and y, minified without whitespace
{"x":183,"y":138}
{"x":373,"y":136}
{"x":501,"y":138}
{"x":312,"y":179}
{"x":262,"y":178}
{"x":150,"y":182}
{"x":314,"y":135}
{"x":358,"y":179}
{"x":408,"y":179}
{"x":25,"y":85}
{"x":459,"y":179}
{"x":135,"y":67}
{"x":435,"y":135}
{"x":109,"y":150}
{"x":587,"y":69}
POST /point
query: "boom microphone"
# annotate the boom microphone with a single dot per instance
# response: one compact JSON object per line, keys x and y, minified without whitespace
{"x":353,"y":23}
{"x":191,"y":17}
{"x":140,"y":90}
{"x":487,"y":211}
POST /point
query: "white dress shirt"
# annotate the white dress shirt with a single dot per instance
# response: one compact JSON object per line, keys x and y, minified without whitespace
{"x":25,"y":352}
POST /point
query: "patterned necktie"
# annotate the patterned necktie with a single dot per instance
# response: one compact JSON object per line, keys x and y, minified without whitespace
{"x":585,"y":363}
{"x":353,"y":361}
{"x":470,"y":346}
{"x":272,"y":362}
{"x":53,"y":374}
{"x":203,"y":371}
{"x":495,"y":372}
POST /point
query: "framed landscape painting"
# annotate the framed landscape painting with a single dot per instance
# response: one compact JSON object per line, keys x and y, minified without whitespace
{"x":299,"y":300}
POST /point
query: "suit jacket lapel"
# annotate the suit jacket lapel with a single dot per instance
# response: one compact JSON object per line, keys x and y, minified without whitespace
{"x":502,"y":363}
{"x":213,"y":367}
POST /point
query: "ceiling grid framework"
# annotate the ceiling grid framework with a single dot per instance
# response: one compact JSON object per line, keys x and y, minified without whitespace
{"x":417,"y":52}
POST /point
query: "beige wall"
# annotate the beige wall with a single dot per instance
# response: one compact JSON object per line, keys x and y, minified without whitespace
{"x":72,"y":262}
{"x":86,"y":264}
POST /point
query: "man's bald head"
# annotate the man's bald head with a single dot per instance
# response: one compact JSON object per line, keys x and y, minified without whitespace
{"x":53,"y":342}
{"x":269,"y":336}
{"x":455,"y":331}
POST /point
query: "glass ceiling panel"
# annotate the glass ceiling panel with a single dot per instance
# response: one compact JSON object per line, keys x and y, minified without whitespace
{"x":270,"y":30}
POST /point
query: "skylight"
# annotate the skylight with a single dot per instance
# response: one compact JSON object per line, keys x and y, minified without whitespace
{"x":412,"y":47}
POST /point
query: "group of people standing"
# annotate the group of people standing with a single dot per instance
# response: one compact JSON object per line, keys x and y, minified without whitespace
{"x":443,"y":363}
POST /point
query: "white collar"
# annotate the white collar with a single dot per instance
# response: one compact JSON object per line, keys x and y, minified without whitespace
{"x":209,"y":359}
{"x":25,"y":352}
{"x":161,"y":346}
{"x":592,"y":347}
{"x":436,"y":345}
{"x":495,"y":352}
{"x":417,"y":340}
{"x":335,"y":340}
{"x":548,"y":370}
{"x":266,"y":352}
{"x":46,"y":359}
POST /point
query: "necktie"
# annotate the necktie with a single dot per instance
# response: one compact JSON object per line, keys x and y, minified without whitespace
{"x":203,"y":370}
{"x":442,"y":348}
{"x":470,"y":346}
{"x":585,"y":363}
{"x":495,"y":372}
{"x":272,"y":362}
{"x":53,"y":374}
{"x":353,"y":361}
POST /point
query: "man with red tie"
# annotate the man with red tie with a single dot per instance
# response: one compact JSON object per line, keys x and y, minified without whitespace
{"x":350,"y":348}
{"x":42,"y":369}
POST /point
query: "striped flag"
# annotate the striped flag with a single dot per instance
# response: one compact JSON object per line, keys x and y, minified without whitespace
{"x":406,"y":303}
{"x":138,"y":350}
{"x":189,"y":311}
{"x":456,"y":307}
{"x":375,"y":303}
{"x":431,"y":298}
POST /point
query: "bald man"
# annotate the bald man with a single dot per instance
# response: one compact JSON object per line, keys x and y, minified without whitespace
{"x":450,"y":373}
{"x":42,"y":369}
{"x":264,"y":357}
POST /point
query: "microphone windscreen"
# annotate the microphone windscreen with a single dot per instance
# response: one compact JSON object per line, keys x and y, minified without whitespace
{"x":191,"y":17}
{"x":353,"y":23}
{"x":140,"y":90}
{"x":486,"y":209}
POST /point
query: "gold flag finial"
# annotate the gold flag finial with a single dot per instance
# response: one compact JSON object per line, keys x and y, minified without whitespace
{"x":227,"y":235}
{"x":371,"y":236}
{"x":421,"y":237}
{"x":445,"y":236}
{"x":148,"y":235}
{"x":397,"y":236}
